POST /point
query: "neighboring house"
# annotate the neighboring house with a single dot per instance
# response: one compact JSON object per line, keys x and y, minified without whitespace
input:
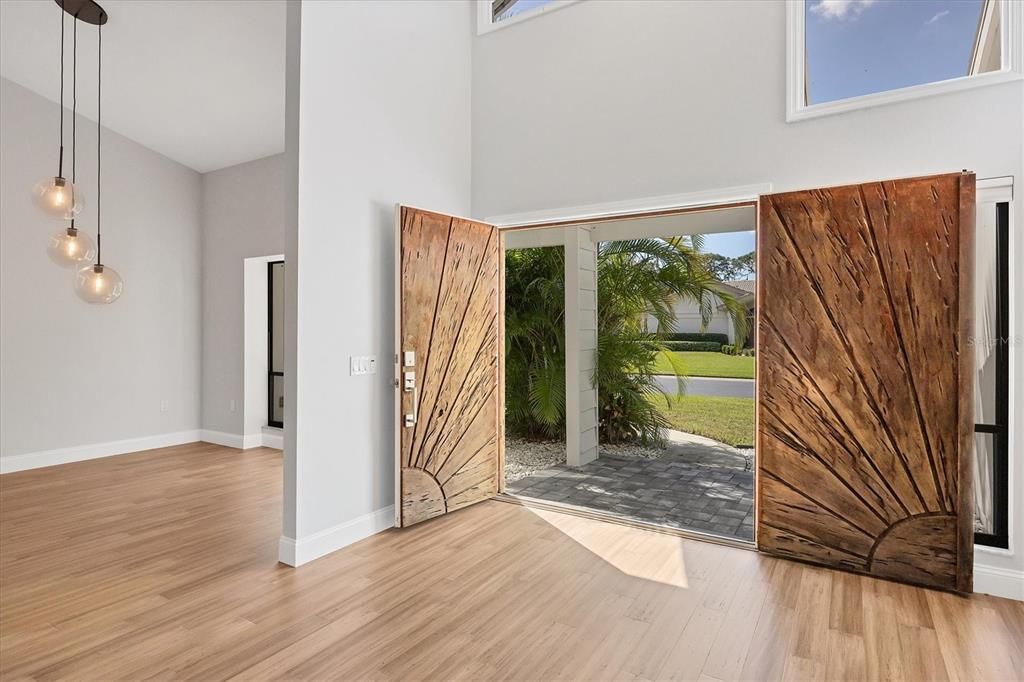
{"x":688,"y":319}
{"x":986,"y":55}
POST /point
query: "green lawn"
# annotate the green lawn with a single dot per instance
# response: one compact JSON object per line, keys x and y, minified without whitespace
{"x":698,"y":364}
{"x":729,"y":420}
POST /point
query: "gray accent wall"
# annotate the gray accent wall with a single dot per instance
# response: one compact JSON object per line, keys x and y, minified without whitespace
{"x":74,"y":374}
{"x":243,"y":216}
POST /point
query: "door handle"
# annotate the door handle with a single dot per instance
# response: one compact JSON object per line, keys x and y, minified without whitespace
{"x":410,"y":419}
{"x":409,"y":384}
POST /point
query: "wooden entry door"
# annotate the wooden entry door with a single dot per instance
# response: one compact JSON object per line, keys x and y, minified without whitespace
{"x":865,"y":410}
{"x":450,"y":358}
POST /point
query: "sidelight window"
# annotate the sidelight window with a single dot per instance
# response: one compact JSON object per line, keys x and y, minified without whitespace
{"x":275,"y":343}
{"x":991,"y":380}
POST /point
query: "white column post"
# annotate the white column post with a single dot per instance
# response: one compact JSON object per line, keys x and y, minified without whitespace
{"x":580,"y":345}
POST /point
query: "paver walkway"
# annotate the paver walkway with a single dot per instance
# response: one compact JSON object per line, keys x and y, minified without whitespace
{"x":688,"y":488}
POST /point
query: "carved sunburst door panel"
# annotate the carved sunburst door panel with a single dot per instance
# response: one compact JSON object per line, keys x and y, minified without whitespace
{"x":450,"y":319}
{"x":865,"y":412}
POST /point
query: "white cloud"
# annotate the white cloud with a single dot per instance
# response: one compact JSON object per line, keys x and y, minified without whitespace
{"x":937,"y":16}
{"x":840,"y":9}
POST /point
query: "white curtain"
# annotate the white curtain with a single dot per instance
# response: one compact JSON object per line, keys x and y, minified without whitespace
{"x":984,"y":343}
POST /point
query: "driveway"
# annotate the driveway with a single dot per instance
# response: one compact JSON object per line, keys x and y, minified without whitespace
{"x":710,"y":386}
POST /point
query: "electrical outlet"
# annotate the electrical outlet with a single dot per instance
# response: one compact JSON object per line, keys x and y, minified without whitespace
{"x":362,"y":364}
{"x":231,"y":405}
{"x":163,"y":405}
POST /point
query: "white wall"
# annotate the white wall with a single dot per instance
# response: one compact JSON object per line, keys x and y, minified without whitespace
{"x":688,"y":319}
{"x":613,"y":100}
{"x":243,"y":216}
{"x":606,"y":101}
{"x":74,"y":375}
{"x":384,"y":117}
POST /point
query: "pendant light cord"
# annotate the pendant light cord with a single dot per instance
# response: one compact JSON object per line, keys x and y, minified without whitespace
{"x":99,"y":132}
{"x":74,"y":114}
{"x":60,"y":158}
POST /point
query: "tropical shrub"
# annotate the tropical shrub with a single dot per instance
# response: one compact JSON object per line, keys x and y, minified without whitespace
{"x":636,"y":278}
{"x":697,"y":336}
{"x":535,"y":341}
{"x":705,"y":346}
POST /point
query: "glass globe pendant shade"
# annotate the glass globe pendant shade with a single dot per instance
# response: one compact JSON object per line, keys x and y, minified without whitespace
{"x":71,"y":247}
{"x":58,"y":198}
{"x":98,"y":284}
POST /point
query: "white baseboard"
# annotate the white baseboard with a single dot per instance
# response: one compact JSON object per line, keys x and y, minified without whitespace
{"x":1000,"y":582}
{"x":249,"y":440}
{"x":229,"y":440}
{"x":79,"y":453}
{"x":297,"y":552}
{"x":273,"y":438}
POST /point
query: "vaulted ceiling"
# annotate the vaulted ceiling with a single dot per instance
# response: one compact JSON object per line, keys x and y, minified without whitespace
{"x":200,"y":81}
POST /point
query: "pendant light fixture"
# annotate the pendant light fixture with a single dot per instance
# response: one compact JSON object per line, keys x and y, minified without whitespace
{"x":71,"y":247}
{"x":55,"y":196}
{"x":98,"y":283}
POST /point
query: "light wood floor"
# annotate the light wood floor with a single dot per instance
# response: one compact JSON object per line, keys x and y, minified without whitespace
{"x":164,"y":565}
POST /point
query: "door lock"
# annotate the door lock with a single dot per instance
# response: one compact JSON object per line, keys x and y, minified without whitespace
{"x":410,"y":381}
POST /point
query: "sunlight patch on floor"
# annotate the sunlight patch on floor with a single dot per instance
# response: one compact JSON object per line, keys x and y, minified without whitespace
{"x":638,"y":553}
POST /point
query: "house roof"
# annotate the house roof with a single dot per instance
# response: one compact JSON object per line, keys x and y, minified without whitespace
{"x":743,"y":290}
{"x":745,"y":285}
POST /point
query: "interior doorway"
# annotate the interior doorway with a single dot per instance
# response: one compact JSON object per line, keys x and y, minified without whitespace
{"x":664,"y":340}
{"x":263,"y":351}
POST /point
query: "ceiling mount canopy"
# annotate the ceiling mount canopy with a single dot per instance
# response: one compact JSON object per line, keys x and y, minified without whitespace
{"x":84,"y":10}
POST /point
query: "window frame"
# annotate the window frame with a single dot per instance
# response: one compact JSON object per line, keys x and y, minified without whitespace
{"x":485,"y":24}
{"x":797,"y":109}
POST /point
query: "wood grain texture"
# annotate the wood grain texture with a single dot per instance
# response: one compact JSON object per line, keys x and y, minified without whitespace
{"x":164,"y":565}
{"x":451,"y":318}
{"x":865,"y":396}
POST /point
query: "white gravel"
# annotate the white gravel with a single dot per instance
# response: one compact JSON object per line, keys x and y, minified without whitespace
{"x":526,"y":457}
{"x":632,"y":450}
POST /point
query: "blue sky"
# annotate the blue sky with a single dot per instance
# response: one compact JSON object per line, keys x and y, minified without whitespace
{"x":729,"y":244}
{"x":857,"y":47}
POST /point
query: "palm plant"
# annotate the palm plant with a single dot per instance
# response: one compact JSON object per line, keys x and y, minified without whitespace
{"x":636,"y":278}
{"x":535,"y":342}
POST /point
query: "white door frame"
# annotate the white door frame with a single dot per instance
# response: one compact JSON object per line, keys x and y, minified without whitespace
{"x":708,"y":198}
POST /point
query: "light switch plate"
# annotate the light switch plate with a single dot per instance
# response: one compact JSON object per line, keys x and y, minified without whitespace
{"x":362,"y":364}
